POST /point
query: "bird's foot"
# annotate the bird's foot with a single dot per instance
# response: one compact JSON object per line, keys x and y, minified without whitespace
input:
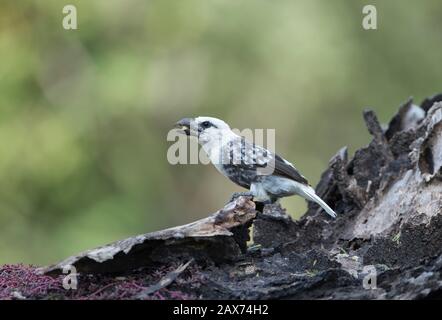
{"x":236,"y":195}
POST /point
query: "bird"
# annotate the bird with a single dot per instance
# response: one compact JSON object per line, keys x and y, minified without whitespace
{"x":266,"y":175}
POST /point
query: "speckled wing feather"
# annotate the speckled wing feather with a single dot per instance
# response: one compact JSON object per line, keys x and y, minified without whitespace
{"x":245,"y":158}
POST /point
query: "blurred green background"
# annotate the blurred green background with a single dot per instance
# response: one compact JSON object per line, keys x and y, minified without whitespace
{"x":84,"y":114}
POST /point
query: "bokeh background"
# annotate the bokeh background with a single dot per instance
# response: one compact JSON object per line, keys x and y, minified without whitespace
{"x":84,"y":114}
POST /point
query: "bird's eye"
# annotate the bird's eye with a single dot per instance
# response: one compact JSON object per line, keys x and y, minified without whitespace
{"x":206,"y":124}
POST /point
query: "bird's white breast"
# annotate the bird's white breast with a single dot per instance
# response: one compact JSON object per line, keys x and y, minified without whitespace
{"x":214,"y":148}
{"x":214,"y":152}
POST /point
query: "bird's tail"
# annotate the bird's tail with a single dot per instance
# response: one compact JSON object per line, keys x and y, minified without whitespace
{"x":310,"y":194}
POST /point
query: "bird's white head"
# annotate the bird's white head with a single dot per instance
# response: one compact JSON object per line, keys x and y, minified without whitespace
{"x":206,"y":129}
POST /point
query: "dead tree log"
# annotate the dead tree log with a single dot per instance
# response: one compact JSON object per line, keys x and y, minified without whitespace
{"x":385,"y":244}
{"x":219,"y":237}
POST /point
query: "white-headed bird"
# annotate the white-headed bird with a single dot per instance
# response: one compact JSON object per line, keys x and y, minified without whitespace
{"x":267,"y":175}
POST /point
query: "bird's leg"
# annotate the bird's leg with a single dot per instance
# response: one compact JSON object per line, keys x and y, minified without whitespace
{"x":236,"y":195}
{"x":265,"y":202}
{"x":269,"y":201}
{"x":261,"y":204}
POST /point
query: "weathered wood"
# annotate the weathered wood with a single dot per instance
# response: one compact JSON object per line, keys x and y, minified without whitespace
{"x":219,"y":237}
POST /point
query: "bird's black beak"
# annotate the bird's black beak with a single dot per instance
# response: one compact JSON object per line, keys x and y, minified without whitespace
{"x":184,"y":125}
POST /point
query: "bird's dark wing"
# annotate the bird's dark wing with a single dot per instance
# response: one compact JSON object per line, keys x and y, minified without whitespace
{"x":287,"y":170}
{"x":250,"y":157}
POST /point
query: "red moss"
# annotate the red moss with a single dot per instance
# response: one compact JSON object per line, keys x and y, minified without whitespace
{"x":20,"y":281}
